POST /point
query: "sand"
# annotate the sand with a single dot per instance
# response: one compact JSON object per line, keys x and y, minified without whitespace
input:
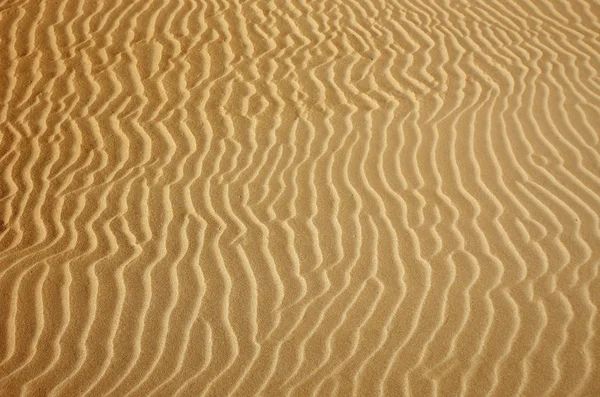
{"x":299,"y":198}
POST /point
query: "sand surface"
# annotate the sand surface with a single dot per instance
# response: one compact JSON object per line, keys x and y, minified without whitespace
{"x":299,"y":198}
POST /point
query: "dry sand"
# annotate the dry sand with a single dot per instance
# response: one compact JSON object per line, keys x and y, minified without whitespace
{"x":299,"y":197}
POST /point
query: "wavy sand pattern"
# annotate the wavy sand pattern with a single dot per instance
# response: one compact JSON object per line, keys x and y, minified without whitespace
{"x":299,"y":198}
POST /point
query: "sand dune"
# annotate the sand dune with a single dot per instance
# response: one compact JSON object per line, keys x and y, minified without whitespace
{"x":299,"y":197}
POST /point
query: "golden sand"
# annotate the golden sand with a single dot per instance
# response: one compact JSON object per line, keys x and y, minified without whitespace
{"x":299,"y":198}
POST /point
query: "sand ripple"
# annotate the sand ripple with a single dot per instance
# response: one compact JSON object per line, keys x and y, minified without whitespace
{"x":296,"y":198}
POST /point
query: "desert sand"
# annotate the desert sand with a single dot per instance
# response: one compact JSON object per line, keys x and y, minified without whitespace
{"x":299,"y":198}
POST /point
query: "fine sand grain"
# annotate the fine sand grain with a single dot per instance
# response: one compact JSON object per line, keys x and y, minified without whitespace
{"x":299,"y":198}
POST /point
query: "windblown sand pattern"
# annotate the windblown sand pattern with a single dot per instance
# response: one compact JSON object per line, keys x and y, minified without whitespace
{"x":299,"y":197}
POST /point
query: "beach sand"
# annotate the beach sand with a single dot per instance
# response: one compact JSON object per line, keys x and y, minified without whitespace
{"x":299,"y":198}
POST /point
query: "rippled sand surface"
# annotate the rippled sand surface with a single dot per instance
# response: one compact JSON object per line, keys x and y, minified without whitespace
{"x":299,"y":198}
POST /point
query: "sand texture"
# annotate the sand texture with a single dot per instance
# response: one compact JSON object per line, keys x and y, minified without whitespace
{"x":296,"y":198}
